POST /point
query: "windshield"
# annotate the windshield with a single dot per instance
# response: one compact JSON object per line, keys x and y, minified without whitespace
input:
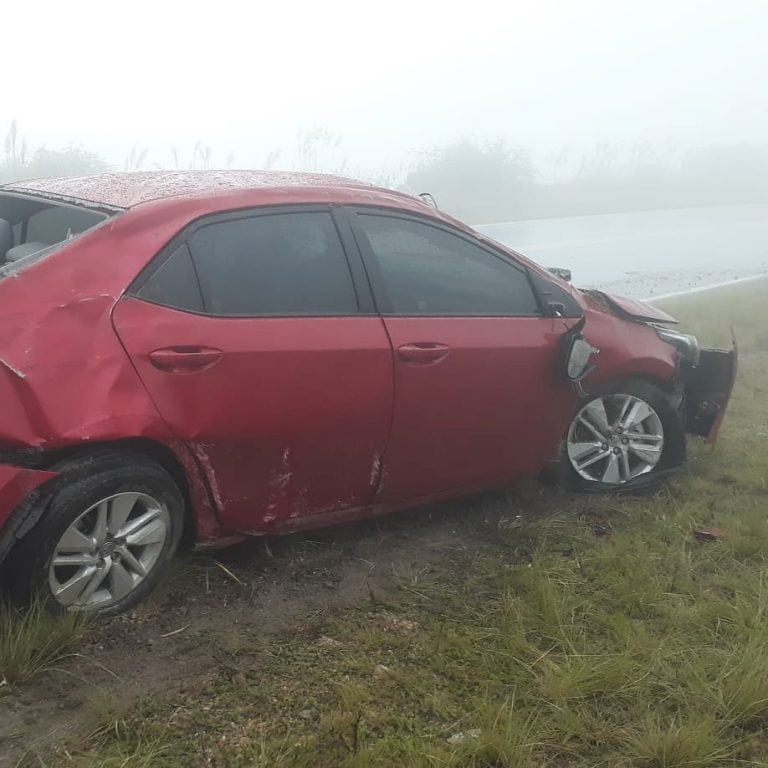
{"x":31,"y":228}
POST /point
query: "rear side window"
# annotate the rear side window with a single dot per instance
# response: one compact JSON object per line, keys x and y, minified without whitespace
{"x":52,"y":225}
{"x":31,"y":228}
{"x":427,"y":270}
{"x":273,"y":264}
{"x":174,"y":283}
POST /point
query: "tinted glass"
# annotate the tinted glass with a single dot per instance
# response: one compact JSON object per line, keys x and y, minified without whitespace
{"x":175,"y":284}
{"x":52,"y":225}
{"x":277,"y":264}
{"x":428,"y":271}
{"x":551,"y":292}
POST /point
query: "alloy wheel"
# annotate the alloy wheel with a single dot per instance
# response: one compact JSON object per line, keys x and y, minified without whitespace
{"x":108,"y":551}
{"x":614,"y":439}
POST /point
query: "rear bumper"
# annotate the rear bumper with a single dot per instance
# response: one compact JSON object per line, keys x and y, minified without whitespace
{"x":16,"y":483}
{"x":708,"y":389}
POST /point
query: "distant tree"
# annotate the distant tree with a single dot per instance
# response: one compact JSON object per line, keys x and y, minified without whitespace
{"x":15,"y":150}
{"x":18,"y":163}
{"x":477,"y":182}
{"x":70,"y":161}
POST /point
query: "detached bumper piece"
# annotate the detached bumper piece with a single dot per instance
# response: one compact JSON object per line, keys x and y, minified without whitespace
{"x":708,"y":389}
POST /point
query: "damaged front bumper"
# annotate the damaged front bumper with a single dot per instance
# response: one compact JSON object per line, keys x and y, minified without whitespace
{"x":708,"y":387}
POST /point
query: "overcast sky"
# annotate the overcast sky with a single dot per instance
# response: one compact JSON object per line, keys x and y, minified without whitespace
{"x":392,"y":78}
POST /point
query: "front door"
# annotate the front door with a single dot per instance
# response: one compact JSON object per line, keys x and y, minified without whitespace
{"x":478,"y":397}
{"x":250,"y":338}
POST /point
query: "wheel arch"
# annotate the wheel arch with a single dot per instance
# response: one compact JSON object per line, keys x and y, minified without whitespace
{"x":33,"y":508}
{"x":155,"y":451}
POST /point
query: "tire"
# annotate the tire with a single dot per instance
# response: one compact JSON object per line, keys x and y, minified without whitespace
{"x":110,"y":516}
{"x":622,"y":454}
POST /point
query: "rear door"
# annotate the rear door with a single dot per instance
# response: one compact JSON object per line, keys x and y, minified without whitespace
{"x":478,"y":398}
{"x":263,"y":353}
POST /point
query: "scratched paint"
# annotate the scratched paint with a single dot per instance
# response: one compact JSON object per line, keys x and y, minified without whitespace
{"x":13,"y":369}
{"x":375,"y":469}
{"x":202,"y":456}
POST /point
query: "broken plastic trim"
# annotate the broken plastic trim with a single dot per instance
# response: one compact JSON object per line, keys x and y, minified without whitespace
{"x":708,"y":388}
{"x":686,"y":344}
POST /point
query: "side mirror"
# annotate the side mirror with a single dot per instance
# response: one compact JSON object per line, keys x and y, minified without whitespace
{"x":555,"y":309}
{"x":561,"y":272}
{"x":579,"y":357}
{"x":576,"y":353}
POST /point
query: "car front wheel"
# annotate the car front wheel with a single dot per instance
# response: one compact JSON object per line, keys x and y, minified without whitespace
{"x":106,"y":538}
{"x":622,"y":434}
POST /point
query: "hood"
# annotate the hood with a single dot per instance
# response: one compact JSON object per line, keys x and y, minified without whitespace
{"x":632,"y":309}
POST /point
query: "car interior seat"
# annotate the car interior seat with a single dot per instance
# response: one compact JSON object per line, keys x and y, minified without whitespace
{"x":7,"y":240}
{"x":25,"y":249}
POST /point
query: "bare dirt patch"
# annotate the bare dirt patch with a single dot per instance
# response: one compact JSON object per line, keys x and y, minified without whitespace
{"x":215,"y":603}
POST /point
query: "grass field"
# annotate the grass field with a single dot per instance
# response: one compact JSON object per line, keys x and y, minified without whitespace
{"x":596,"y":632}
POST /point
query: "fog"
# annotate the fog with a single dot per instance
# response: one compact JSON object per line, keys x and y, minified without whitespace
{"x":502,"y":110}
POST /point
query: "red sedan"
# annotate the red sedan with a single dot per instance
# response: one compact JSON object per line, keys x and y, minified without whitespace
{"x":206,"y":356}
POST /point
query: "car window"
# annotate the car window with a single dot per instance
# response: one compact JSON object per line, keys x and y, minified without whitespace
{"x":174,"y":283}
{"x":551,"y":292}
{"x":429,"y":271}
{"x":274,"y":264}
{"x":58,"y":223}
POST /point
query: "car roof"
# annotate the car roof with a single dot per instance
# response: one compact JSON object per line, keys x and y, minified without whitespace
{"x":124,"y":190}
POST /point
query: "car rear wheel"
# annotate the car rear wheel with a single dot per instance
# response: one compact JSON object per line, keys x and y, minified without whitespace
{"x":627,"y":432}
{"x":106,"y":538}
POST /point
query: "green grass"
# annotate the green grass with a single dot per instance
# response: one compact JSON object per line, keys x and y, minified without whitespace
{"x":32,"y":641}
{"x":711,"y":314}
{"x":642,"y":648}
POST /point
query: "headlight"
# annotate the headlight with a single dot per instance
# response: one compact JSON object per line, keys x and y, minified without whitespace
{"x":686,"y":345}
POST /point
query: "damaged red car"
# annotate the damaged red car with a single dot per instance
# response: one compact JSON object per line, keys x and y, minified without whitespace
{"x":194,"y":358}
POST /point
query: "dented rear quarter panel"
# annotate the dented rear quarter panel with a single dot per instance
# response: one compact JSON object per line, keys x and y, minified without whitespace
{"x":65,"y":378}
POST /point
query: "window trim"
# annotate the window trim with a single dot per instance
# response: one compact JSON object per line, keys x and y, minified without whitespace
{"x":348,"y":244}
{"x":378,"y":283}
